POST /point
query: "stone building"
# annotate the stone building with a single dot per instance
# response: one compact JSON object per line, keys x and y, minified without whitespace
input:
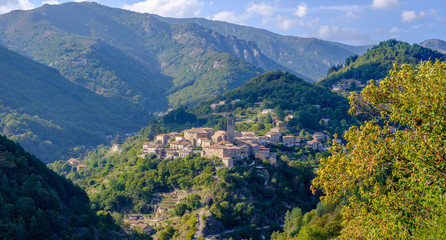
{"x":223,"y":150}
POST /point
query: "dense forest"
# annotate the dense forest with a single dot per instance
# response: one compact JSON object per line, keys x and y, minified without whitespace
{"x":37,"y":203}
{"x":378,"y":61}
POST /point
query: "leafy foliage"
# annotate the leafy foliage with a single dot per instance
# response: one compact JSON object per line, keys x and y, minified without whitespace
{"x":392,"y":170}
{"x":36,"y":203}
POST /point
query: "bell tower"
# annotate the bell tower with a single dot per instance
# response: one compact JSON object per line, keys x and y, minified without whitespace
{"x":230,"y":125}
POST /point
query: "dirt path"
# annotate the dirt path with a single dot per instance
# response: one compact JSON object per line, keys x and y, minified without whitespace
{"x":201,"y":224}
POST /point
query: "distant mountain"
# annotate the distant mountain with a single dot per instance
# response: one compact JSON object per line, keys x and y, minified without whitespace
{"x":133,"y":58}
{"x":50,"y":115}
{"x":37,"y":203}
{"x":435,"y":44}
{"x":377,"y":62}
{"x":309,"y":57}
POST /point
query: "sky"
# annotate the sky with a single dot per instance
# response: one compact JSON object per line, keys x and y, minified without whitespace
{"x":354,"y":22}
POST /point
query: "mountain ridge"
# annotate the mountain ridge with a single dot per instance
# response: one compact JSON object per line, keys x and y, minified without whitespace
{"x":279,"y":47}
{"x":159,"y":48}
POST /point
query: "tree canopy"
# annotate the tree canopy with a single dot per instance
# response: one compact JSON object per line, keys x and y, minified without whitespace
{"x":392,"y":169}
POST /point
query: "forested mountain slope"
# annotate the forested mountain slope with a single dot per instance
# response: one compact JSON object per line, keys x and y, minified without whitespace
{"x":376,"y":62}
{"x":132,"y":58}
{"x":36,"y":203}
{"x":49,"y":115}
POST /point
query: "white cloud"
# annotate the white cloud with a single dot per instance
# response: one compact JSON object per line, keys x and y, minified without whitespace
{"x":351,"y":36}
{"x":410,"y":16}
{"x":344,"y":8}
{"x":440,"y":19}
{"x":285,"y":23}
{"x":301,"y":10}
{"x":262,"y":9}
{"x":394,"y":30}
{"x":385,"y":4}
{"x":168,"y":8}
{"x":229,"y":16}
{"x":51,"y":2}
{"x":253,"y":10}
{"x":9,"y":5}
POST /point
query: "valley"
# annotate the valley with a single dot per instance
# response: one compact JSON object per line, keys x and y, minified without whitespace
{"x":116,"y":124}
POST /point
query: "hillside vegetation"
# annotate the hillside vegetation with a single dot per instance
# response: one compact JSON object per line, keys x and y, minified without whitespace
{"x":287,"y":94}
{"x":50,"y":115}
{"x":238,"y":199}
{"x":392,"y":170}
{"x":378,"y":61}
{"x":131,"y":58}
{"x":36,"y":203}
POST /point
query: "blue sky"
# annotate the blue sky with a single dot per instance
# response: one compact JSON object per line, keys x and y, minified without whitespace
{"x":347,"y":21}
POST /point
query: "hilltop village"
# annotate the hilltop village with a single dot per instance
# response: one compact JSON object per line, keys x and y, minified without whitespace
{"x":229,"y":145}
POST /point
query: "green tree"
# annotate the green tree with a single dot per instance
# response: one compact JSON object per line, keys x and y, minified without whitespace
{"x":193,"y":201}
{"x":393,"y":168}
{"x":293,"y":222}
{"x":280,"y":114}
{"x":180,"y":209}
{"x":167,"y":234}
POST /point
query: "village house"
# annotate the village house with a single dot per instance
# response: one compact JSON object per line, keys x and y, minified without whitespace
{"x":289,"y":117}
{"x":267,"y":110}
{"x":204,"y":142}
{"x":274,"y":135}
{"x":223,"y":150}
{"x":115,"y":148}
{"x":325,"y":121}
{"x":186,"y":153}
{"x":288,"y":140}
{"x":214,"y":105}
{"x":162,"y":138}
{"x":315,"y":144}
{"x":181,"y":145}
{"x":171,"y":153}
{"x":196,"y":133}
{"x":336,"y":88}
{"x":320,"y":136}
{"x":278,"y":123}
{"x":73,"y":162}
{"x":152,"y":147}
{"x":220,"y":136}
{"x":81,"y":166}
